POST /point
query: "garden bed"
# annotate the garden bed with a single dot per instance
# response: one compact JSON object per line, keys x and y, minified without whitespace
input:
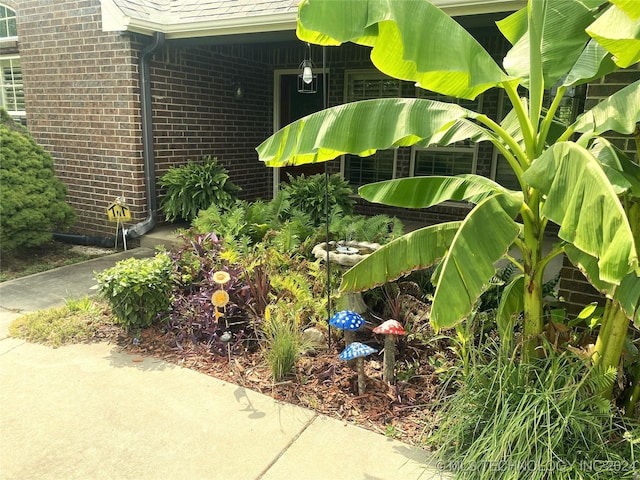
{"x":320,"y":382}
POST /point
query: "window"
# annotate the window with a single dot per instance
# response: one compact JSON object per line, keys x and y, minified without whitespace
{"x":444,"y":161}
{"x":455,"y":159}
{"x":11,"y":91}
{"x":11,"y":86}
{"x":365,"y":85}
{"x":8,"y":26}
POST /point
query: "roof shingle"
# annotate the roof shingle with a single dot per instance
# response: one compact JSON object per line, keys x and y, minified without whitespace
{"x":178,"y":11}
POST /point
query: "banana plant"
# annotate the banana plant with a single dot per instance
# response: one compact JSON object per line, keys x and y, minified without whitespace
{"x":556,"y":44}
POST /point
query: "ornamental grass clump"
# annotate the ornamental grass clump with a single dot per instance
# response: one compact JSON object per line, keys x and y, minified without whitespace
{"x":283,"y":340}
{"x":538,"y":420}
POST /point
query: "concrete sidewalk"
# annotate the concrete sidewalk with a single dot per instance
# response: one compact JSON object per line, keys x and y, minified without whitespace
{"x":94,"y":412}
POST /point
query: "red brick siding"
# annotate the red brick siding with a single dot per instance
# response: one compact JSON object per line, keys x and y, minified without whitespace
{"x":196,"y":114}
{"x":82,"y":105}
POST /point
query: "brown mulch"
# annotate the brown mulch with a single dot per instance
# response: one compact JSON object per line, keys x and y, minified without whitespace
{"x":320,"y":382}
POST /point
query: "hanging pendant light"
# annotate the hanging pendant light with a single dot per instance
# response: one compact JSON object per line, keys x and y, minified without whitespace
{"x":307,"y":80}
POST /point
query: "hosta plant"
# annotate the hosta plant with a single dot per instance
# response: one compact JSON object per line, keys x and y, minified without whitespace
{"x":195,"y":186}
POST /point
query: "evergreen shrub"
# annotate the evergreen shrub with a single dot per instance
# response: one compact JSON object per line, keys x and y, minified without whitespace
{"x":32,"y":199}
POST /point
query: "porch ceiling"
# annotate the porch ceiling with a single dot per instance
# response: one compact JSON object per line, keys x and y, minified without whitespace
{"x":199,"y":18}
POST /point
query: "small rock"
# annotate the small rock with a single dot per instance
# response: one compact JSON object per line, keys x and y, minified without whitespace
{"x":313,"y":338}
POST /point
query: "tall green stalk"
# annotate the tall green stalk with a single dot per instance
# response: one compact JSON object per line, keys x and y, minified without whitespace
{"x":533,"y":325}
{"x":610,"y":340}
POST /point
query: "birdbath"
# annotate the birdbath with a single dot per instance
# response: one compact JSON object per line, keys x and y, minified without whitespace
{"x":346,"y":255}
{"x":358,"y":351}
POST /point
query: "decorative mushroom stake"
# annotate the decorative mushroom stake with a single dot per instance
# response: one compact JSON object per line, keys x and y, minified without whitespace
{"x":390,"y":329}
{"x":349,"y":322}
{"x":358,"y":351}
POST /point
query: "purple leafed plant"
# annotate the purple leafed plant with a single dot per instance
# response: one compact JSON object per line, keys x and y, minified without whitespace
{"x":192,"y":319}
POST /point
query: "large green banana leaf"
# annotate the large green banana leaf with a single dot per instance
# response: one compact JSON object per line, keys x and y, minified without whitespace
{"x":627,"y":293}
{"x":560,"y":33}
{"x":361,"y":128}
{"x":412,"y":40}
{"x":619,"y":112}
{"x":594,"y":62}
{"x":623,"y":174}
{"x":414,"y":251}
{"x":618,"y":31}
{"x":580,"y":199}
{"x":630,"y":7}
{"x":424,"y":192}
{"x":466,"y":271}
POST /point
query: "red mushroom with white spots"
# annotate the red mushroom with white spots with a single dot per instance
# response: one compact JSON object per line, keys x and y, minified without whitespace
{"x":390,"y":329}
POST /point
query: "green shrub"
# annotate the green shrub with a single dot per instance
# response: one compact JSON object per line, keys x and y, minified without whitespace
{"x":196,"y":186}
{"x":32,"y":203}
{"x":138,"y":290}
{"x":307,"y":194}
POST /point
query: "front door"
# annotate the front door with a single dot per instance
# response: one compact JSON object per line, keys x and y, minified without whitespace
{"x":294,"y":105}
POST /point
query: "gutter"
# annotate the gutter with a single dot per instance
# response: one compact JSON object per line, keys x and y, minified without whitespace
{"x":148,"y":153}
{"x":214,"y":27}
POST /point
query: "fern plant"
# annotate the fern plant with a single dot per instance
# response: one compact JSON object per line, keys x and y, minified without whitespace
{"x":379,"y":228}
{"x":308,"y":195}
{"x":196,"y":186}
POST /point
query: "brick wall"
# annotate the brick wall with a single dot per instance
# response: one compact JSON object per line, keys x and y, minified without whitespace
{"x":82,"y":105}
{"x":196,"y":113}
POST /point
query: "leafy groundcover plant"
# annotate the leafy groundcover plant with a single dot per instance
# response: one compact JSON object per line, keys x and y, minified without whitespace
{"x":77,"y":321}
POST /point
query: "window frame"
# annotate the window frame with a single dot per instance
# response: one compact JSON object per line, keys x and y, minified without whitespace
{"x":455,"y":147}
{"x":6,"y":20}
{"x":452,"y":149}
{"x":367,"y":74}
{"x":18,"y":114}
